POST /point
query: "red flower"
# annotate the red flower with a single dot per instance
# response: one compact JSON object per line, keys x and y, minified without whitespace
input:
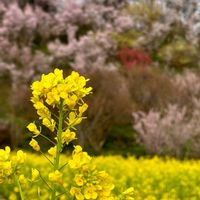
{"x":132,"y":57}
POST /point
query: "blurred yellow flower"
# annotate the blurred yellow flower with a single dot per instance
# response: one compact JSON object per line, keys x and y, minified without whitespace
{"x":90,"y":192}
{"x":76,"y":192}
{"x":79,"y":179}
{"x":56,"y":176}
{"x":5,"y":154}
{"x":21,"y":156}
{"x":35,"y":174}
{"x":22,"y":179}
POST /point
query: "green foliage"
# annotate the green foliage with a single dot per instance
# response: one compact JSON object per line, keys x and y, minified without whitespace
{"x":121,"y":140}
{"x":127,"y":39}
{"x":180,"y":52}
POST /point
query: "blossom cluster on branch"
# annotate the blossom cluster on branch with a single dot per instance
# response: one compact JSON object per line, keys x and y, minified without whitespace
{"x":37,"y":35}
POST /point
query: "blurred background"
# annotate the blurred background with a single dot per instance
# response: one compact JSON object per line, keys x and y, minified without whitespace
{"x":142,"y":59}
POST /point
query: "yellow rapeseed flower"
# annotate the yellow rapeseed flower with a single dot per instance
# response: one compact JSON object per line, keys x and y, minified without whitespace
{"x":90,"y":192}
{"x":79,"y":180}
{"x":34,"y":144}
{"x":22,"y":179}
{"x":12,"y":196}
{"x":33,"y":128}
{"x":35,"y":174}
{"x":74,"y":119}
{"x":79,"y":158}
{"x":52,"y":88}
{"x":68,"y":136}
{"x":6,"y":168}
{"x":21,"y":156}
{"x":128,"y":194}
{"x":37,"y":88}
{"x":44,"y":113}
{"x":70,"y":100}
{"x":82,"y":109}
{"x":56,"y":177}
{"x":52,"y":151}
{"x":5,"y":154}
{"x":49,"y":123}
{"x":129,"y":191}
{"x":76,"y":192}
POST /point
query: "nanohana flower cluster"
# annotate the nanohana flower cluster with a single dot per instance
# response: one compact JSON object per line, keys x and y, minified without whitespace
{"x":11,"y":169}
{"x":53,"y":91}
{"x":88,"y":182}
{"x":60,"y":107}
{"x":10,"y":165}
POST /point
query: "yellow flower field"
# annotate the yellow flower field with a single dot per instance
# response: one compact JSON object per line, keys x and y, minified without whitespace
{"x":155,"y":178}
{"x":60,"y":107}
{"x":152,"y":179}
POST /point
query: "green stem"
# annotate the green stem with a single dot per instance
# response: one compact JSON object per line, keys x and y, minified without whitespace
{"x":19,"y":186}
{"x":46,"y":157}
{"x":58,"y":145}
{"x":63,"y":166}
{"x":59,"y":134}
{"x":45,"y":182}
{"x":47,"y":138}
